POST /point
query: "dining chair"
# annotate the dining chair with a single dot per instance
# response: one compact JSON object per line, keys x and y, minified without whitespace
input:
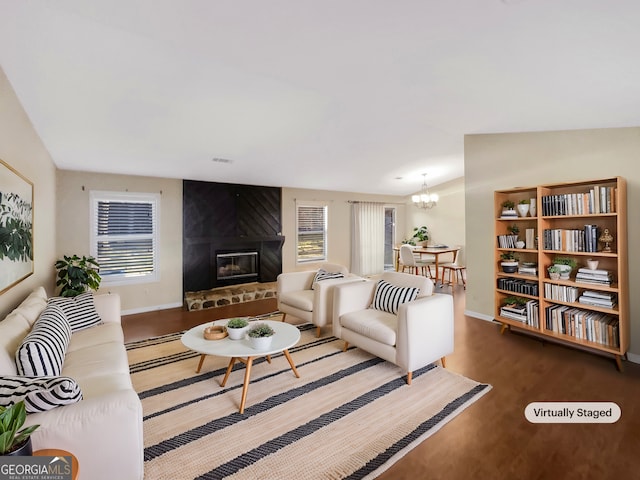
{"x":409,"y":261}
{"x":455,"y":270}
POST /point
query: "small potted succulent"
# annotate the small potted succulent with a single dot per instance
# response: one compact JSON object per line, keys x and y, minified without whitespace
{"x":237,"y":328}
{"x":13,"y":440}
{"x":260,"y":336}
{"x":509,"y":262}
{"x":554,"y":272}
{"x":508,"y":209}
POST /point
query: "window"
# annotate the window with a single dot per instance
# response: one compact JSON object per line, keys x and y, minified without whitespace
{"x":311,"y":238}
{"x":124,"y":236}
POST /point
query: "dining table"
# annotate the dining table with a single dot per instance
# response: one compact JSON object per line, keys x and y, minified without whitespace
{"x":435,"y":250}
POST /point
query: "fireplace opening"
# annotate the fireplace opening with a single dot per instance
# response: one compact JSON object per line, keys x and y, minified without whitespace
{"x":236,"y":267}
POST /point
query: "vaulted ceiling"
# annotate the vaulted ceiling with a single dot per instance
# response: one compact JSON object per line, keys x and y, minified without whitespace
{"x":349,"y":95}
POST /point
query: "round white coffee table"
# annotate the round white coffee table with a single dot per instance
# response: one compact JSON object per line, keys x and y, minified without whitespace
{"x":285,"y":337}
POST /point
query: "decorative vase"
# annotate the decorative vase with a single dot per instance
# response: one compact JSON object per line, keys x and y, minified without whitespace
{"x":523,"y":209}
{"x":260,"y":343}
{"x":237,"y":333}
{"x":25,"y":450}
{"x":519,"y":244}
{"x":554,"y":275}
{"x":592,"y":264}
{"x":532,"y":207}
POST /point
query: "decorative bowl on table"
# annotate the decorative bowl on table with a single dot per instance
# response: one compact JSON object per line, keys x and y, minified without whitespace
{"x":215,"y":332}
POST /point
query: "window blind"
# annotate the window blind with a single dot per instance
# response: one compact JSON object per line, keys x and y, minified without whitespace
{"x":312,"y":233}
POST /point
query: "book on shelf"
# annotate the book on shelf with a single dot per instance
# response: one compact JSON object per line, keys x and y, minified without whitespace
{"x":598,"y":299}
{"x":599,"y":199}
{"x":598,"y":277}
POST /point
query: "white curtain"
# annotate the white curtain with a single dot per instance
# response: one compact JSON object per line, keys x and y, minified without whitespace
{"x":367,"y":238}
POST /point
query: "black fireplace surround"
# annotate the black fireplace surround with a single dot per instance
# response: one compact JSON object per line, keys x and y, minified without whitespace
{"x":222,"y":219}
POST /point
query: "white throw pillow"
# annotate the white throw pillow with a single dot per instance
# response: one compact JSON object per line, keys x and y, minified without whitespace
{"x":39,"y":393}
{"x":42,"y":351}
{"x":388,"y":298}
{"x":80,"y":310}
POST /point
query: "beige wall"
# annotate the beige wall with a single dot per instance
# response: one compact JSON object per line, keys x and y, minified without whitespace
{"x":21,"y":147}
{"x":339,"y":223}
{"x":445,"y":221}
{"x":502,"y":161}
{"x":73,"y":232}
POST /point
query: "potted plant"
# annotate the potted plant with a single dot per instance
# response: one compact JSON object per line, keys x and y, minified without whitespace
{"x":14,"y":441}
{"x":260,"y":336}
{"x":509,"y":262}
{"x":237,"y":327}
{"x":77,"y":275}
{"x":421,"y":234}
{"x":508,"y":209}
{"x":565,"y":265}
{"x":554,"y":272}
{"x":523,"y":208}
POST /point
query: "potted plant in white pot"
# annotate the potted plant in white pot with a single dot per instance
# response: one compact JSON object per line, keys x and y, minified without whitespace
{"x":509,"y":262}
{"x":237,"y":328}
{"x":421,"y":236}
{"x":565,"y":265}
{"x":15,"y":441}
{"x":508,"y":209}
{"x":523,"y":208}
{"x":554,"y":272}
{"x":260,"y":336}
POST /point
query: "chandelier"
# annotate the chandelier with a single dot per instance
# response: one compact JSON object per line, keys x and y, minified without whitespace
{"x":425,"y":199}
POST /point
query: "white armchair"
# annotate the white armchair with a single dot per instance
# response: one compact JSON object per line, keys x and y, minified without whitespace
{"x":312,"y":303}
{"x":419,"y":334}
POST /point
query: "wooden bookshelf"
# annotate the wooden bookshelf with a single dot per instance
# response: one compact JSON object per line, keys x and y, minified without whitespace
{"x":565,"y":217}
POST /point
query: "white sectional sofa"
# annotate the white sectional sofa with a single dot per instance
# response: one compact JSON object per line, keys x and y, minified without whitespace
{"x":103,"y":429}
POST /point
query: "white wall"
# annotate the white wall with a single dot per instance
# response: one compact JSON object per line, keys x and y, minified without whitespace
{"x":339,"y":222}
{"x":22,"y":149}
{"x":501,"y":161}
{"x":445,"y":221}
{"x":73,"y":232}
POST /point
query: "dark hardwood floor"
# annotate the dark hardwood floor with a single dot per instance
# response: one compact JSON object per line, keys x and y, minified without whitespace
{"x":492,"y":438}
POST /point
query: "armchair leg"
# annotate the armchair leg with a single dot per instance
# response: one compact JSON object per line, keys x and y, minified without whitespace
{"x":409,"y":375}
{"x":318,"y":329}
{"x":442,"y":360}
{"x":346,"y":345}
{"x":284,"y":315}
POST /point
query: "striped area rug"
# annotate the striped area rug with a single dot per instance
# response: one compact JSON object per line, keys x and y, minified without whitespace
{"x":350,"y":415}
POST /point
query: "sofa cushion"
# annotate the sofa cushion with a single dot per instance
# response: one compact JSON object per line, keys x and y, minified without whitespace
{"x":42,"y":351}
{"x":322,"y":274}
{"x":80,"y":310}
{"x":13,"y":329}
{"x":39,"y":393}
{"x":388,"y":298}
{"x":375,"y":324}
{"x":89,"y":337}
{"x":95,"y":361}
{"x":301,"y":299}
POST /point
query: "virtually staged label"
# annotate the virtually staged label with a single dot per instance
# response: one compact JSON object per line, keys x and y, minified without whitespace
{"x":572,"y":412}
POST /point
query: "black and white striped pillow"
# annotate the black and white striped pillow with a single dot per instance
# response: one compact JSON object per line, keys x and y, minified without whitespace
{"x":80,"y":310}
{"x":324,"y":275}
{"x":39,"y":393}
{"x":388,"y":298}
{"x":42,"y":351}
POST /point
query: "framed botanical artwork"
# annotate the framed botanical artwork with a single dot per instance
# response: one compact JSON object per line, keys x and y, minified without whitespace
{"x":16,"y":227}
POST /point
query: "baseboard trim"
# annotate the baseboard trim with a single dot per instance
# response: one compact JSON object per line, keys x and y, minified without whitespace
{"x":152,"y":308}
{"x":633,"y":357}
{"x":481,"y":316}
